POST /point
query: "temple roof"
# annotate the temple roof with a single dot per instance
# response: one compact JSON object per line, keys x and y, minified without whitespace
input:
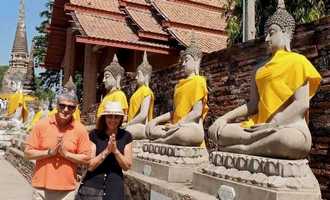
{"x":159,"y":26}
{"x":20,"y":42}
{"x":204,"y":41}
{"x":111,"y":30}
{"x":190,"y":15}
{"x":143,"y":18}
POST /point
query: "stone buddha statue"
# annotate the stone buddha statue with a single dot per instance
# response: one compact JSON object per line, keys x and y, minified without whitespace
{"x":113,"y":74}
{"x":141,"y":104}
{"x":279,"y":99}
{"x":184,"y":125}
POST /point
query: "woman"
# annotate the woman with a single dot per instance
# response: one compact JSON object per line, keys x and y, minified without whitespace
{"x":111,"y":153}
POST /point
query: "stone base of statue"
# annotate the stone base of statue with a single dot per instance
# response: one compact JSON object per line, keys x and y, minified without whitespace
{"x":168,"y":162}
{"x":137,"y":146}
{"x":244,"y":177}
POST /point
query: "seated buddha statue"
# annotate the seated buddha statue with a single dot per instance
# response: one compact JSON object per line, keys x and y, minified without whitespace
{"x":141,"y":104}
{"x":184,"y":125}
{"x":17,"y":111}
{"x":113,"y":74}
{"x":279,"y":99}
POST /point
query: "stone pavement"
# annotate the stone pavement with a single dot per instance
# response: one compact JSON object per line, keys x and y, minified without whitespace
{"x":13,"y":186}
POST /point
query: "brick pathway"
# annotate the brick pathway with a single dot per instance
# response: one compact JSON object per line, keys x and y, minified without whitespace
{"x":12,"y":184}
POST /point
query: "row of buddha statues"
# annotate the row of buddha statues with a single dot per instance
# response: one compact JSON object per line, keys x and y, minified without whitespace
{"x":280,"y":92}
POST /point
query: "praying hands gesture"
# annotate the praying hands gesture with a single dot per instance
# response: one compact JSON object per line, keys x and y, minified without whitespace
{"x":112,"y":144}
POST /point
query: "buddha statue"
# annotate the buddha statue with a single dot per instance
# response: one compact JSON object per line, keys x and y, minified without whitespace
{"x":141,"y":104}
{"x":279,"y":99}
{"x":184,"y":125}
{"x":113,"y":74}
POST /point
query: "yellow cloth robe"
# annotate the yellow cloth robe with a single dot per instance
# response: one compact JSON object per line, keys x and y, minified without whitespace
{"x":76,"y":114}
{"x":15,"y":100}
{"x":137,"y":99}
{"x":35,"y":119}
{"x":186,"y":94}
{"x":117,"y":95}
{"x":278,"y":80}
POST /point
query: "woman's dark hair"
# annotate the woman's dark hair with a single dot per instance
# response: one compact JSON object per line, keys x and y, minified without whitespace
{"x":101,"y":125}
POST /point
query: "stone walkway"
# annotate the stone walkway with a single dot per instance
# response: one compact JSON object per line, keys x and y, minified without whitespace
{"x":13,"y":186}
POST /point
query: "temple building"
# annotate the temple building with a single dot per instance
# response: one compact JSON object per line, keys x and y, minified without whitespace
{"x":21,"y":65}
{"x":84,"y":35}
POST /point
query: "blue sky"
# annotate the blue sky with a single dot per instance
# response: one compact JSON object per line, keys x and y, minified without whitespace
{"x":8,"y":21}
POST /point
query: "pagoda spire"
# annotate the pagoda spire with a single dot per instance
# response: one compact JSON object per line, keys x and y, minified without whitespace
{"x":20,"y":42}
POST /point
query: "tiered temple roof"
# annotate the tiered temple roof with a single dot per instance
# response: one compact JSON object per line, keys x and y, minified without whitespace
{"x":158,"y":26}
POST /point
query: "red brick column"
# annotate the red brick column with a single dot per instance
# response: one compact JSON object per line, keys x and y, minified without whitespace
{"x":90,"y":75}
{"x":68,"y":64}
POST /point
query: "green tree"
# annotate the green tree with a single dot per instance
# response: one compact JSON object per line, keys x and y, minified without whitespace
{"x":303,"y":11}
{"x":48,"y":78}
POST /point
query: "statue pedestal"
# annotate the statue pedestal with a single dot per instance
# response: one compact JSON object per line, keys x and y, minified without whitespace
{"x":137,"y":146}
{"x":245,"y":177}
{"x":168,"y":162}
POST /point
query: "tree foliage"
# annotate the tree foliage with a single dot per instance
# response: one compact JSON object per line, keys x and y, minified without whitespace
{"x":49,"y":78}
{"x":303,"y":11}
{"x":48,"y":81}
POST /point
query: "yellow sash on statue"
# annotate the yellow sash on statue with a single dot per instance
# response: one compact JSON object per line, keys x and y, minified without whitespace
{"x":278,"y":80}
{"x":186,"y":94}
{"x":76,"y":114}
{"x":137,"y":99}
{"x":14,"y":102}
{"x":35,"y":119}
{"x":116,"y":95}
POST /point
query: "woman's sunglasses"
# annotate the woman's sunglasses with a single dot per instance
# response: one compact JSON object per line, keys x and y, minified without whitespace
{"x":63,"y":106}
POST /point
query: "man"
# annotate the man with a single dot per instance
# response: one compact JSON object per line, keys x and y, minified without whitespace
{"x":58,"y":144}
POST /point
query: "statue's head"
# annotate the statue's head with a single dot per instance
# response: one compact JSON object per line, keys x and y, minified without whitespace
{"x":144,"y":71}
{"x":68,"y":93}
{"x":280,"y":28}
{"x":191,"y":58}
{"x":113,"y":74}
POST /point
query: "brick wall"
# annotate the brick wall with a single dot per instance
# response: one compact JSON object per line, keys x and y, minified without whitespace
{"x":228,"y":74}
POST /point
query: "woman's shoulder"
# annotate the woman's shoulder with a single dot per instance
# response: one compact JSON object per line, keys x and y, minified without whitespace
{"x":127,"y":136}
{"x":95,"y":134}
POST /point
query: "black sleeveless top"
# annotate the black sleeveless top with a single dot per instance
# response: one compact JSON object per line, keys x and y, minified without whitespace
{"x":108,"y":175}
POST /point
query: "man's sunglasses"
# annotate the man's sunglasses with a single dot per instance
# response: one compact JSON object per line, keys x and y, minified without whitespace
{"x":63,"y":106}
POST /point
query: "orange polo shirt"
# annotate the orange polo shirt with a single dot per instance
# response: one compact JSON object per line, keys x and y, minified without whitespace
{"x":57,"y":173}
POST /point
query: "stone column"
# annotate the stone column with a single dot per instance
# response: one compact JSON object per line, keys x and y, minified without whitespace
{"x":90,"y":76}
{"x":249,"y":29}
{"x":69,"y":57}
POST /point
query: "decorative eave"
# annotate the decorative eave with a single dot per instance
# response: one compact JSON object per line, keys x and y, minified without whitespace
{"x":169,"y":24}
{"x":189,"y":15}
{"x":155,"y":36}
{"x":208,"y":42}
{"x":201,"y":5}
{"x":141,"y":17}
{"x":126,"y":45}
{"x":78,"y":8}
{"x":125,"y":3}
